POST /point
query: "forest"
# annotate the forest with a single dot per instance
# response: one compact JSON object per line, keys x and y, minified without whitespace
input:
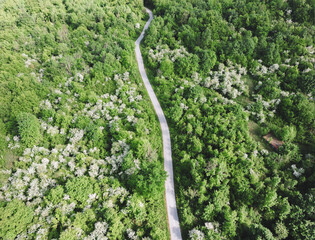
{"x":227,"y":73}
{"x":80,"y":148}
{"x":80,"y":144}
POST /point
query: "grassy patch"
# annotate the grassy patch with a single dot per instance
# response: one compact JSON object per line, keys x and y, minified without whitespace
{"x":254,"y":131}
{"x":6,"y":160}
{"x":250,"y":83}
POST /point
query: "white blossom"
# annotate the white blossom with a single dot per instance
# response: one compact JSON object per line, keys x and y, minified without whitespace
{"x":80,"y":171}
{"x":297,"y":172}
{"x":66,"y":197}
{"x":55,"y":165}
{"x":67,"y":208}
{"x":209,"y":225}
{"x":92,"y":198}
{"x":131,"y":234}
{"x":16,"y":138}
{"x":99,"y":232}
{"x":264,"y":152}
{"x":45,"y":161}
{"x":196,"y":234}
{"x":77,"y":135}
{"x":53,"y":130}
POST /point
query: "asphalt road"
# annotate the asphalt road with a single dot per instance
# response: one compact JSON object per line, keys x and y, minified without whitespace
{"x":167,"y":149}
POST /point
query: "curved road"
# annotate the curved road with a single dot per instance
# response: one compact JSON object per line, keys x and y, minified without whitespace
{"x":167,"y":150}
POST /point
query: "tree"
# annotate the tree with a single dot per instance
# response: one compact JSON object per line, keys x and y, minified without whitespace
{"x":137,"y":210}
{"x":85,"y":220}
{"x":196,"y":145}
{"x":167,"y":67}
{"x":80,"y":188}
{"x":281,"y":231}
{"x":56,"y":195}
{"x":270,"y":198}
{"x":29,"y":129}
{"x":229,"y":226}
{"x":307,"y":82}
{"x":261,"y":232}
{"x":15,"y":217}
{"x":285,"y":208}
{"x":150,"y":180}
{"x":185,"y":66}
{"x":207,"y":58}
{"x":176,"y":113}
{"x":288,"y":133}
{"x":69,"y":234}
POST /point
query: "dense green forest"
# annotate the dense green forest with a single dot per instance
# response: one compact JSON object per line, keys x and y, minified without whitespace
{"x":80,"y":147}
{"x":227,"y":73}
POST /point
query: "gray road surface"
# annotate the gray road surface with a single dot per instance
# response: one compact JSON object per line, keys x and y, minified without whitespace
{"x":167,"y":150}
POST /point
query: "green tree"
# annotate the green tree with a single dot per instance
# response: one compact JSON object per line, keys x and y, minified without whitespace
{"x":149,"y":182}
{"x":288,"y":133}
{"x":261,"y":232}
{"x":29,"y":129}
{"x":270,"y":198}
{"x":229,"y":226}
{"x":281,"y":231}
{"x":167,"y":67}
{"x":80,"y":188}
{"x":176,"y":113}
{"x":15,"y":217}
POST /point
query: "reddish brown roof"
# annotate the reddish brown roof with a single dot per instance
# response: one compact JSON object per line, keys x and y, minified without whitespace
{"x":276,"y":143}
